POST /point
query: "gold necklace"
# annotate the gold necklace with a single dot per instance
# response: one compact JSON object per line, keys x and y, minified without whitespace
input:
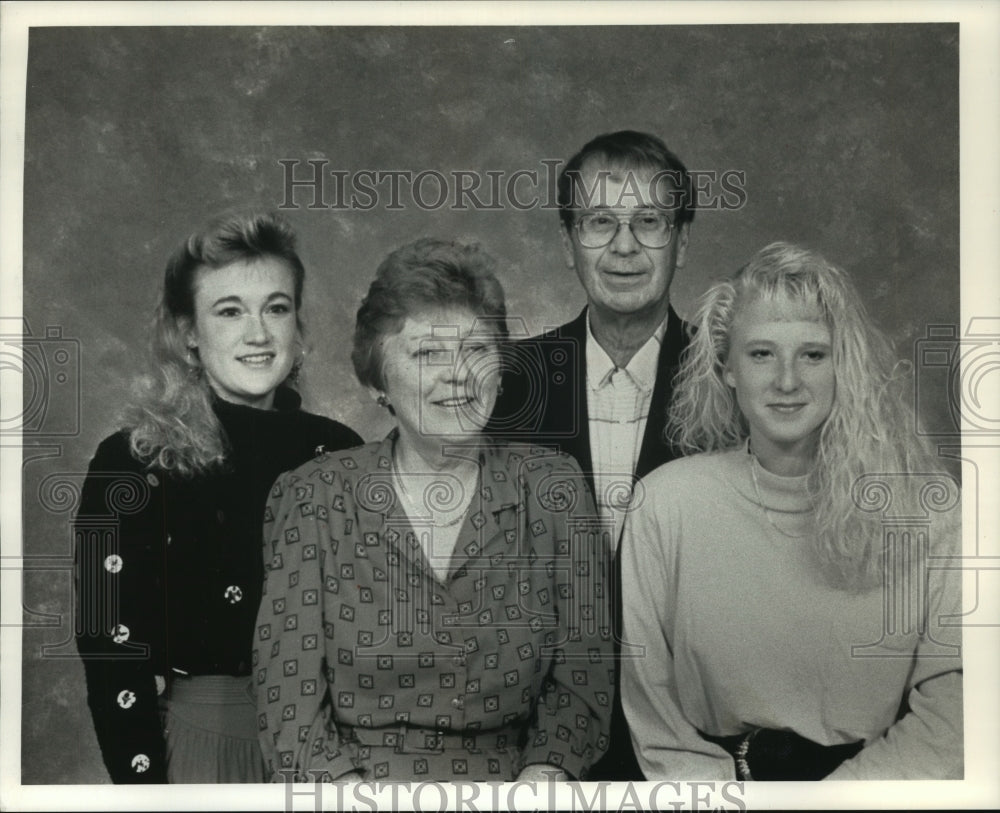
{"x":760,"y":499}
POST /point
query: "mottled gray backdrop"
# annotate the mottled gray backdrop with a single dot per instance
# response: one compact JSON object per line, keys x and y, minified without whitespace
{"x":847,"y":135}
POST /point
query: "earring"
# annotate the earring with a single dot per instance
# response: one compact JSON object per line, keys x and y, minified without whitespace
{"x":382,"y":400}
{"x":293,"y":374}
{"x":499,"y":390}
{"x":194,"y":368}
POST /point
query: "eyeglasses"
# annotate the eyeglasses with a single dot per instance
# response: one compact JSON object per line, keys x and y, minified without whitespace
{"x":650,"y":228}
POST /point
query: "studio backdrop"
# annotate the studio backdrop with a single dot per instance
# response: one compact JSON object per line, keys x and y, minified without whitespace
{"x":840,"y":137}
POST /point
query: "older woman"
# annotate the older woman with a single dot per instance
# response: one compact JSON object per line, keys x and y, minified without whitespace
{"x":169,"y":522}
{"x":435,"y":603}
{"x":791,"y":584}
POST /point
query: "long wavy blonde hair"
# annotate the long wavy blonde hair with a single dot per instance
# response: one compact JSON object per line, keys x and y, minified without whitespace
{"x":871,"y":428}
{"x":170,"y":419}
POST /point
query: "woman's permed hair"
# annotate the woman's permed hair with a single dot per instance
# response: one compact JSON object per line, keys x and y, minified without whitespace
{"x":871,"y":427}
{"x":170,"y":420}
{"x":429,"y":274}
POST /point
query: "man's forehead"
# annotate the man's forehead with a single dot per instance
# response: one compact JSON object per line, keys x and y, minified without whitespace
{"x":601,"y":183}
{"x":617,"y":169}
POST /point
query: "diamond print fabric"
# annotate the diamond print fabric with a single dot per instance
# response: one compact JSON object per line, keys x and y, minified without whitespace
{"x":362,"y":656}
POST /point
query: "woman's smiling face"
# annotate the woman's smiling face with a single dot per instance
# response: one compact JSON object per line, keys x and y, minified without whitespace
{"x":245,"y":328}
{"x":441,"y":373}
{"x":781,"y":367}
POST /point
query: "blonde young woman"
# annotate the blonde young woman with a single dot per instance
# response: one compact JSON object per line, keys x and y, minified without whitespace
{"x":169,"y":525}
{"x":791,"y":582}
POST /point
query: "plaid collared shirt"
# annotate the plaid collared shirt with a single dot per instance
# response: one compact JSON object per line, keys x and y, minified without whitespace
{"x":618,"y":400}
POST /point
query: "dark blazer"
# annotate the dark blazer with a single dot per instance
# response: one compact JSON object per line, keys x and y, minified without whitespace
{"x":544,"y":398}
{"x":544,"y":401}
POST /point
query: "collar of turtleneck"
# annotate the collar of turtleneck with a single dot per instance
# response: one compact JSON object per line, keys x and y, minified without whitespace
{"x":784,"y":499}
{"x":239,"y":419}
{"x":285,"y":400}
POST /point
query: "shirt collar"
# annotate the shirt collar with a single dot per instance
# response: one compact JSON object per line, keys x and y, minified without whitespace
{"x":495,"y":461}
{"x":641,"y":367}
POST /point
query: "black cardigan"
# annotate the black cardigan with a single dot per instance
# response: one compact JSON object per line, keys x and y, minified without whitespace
{"x":170,"y":570}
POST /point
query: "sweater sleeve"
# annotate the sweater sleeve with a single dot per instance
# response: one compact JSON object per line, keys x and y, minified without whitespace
{"x":667,"y":745}
{"x":120,"y":609}
{"x":574,"y":711}
{"x":926,"y":742}
{"x":302,"y":521}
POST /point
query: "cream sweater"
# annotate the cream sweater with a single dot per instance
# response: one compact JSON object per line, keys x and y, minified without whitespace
{"x":728,"y":627}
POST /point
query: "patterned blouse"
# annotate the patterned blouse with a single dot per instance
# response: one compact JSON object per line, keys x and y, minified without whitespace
{"x":365,"y":662}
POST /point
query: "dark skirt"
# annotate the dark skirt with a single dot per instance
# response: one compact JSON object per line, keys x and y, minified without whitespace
{"x":210,"y":725}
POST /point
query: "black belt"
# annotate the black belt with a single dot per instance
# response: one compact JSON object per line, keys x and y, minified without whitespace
{"x":407,"y":739}
{"x":768,"y":755}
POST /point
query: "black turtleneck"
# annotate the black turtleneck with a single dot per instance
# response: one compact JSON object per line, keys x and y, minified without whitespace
{"x":170,"y":578}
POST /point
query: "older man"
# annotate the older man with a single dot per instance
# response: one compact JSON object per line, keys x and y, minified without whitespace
{"x":598,"y":387}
